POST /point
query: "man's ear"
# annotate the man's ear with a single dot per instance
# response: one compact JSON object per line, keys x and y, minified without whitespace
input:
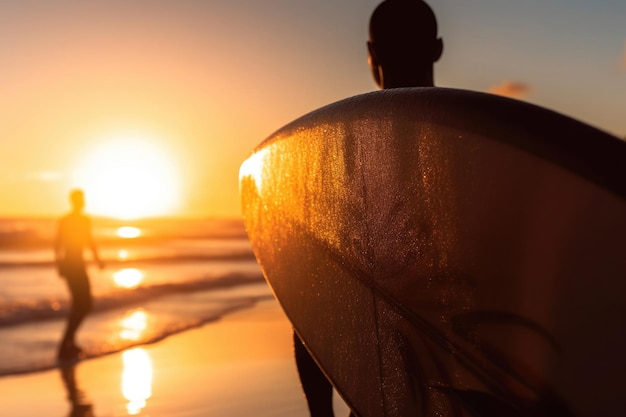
{"x":438,"y":49}
{"x":373,"y":63}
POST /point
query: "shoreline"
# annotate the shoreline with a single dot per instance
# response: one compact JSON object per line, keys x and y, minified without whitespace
{"x":239,"y":365}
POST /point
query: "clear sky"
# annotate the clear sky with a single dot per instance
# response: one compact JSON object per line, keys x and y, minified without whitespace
{"x":171,"y":96}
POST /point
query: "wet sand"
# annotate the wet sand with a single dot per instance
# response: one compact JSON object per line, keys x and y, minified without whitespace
{"x":241,"y":365}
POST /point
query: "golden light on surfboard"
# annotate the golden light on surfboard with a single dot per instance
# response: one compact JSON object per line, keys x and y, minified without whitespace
{"x":252,"y":169}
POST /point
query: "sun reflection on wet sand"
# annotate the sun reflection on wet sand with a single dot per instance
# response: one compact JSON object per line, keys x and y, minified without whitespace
{"x":133,"y":325}
{"x":128,"y":277}
{"x":136,"y":379}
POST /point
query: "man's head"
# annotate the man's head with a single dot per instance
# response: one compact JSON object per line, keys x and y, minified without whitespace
{"x":77,"y":199}
{"x":403,"y":44}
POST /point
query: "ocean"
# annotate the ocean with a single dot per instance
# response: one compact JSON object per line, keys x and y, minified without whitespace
{"x":162,"y":277}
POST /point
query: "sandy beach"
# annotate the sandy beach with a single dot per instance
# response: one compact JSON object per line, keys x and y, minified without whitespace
{"x":240,"y":365}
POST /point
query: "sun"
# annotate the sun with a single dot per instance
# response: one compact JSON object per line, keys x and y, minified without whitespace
{"x":128,"y":177}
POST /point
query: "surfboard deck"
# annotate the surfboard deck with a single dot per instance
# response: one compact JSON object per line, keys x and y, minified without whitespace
{"x":445,"y":252}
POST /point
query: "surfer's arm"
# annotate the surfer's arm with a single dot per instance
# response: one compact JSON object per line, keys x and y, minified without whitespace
{"x":93,"y":247}
{"x":58,"y":250}
{"x":96,"y":257}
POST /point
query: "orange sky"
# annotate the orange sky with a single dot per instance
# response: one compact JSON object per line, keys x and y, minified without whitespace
{"x":204,"y":82}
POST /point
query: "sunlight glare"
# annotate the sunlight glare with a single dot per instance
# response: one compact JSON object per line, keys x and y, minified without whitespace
{"x":133,"y":325}
{"x":128,"y":232}
{"x":253,"y":168}
{"x":128,"y":278}
{"x":136,"y":379}
{"x":128,"y":177}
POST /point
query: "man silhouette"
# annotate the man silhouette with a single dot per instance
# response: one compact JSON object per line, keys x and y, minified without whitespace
{"x":403,"y":44}
{"x":403,"y":48}
{"x":72,"y":238}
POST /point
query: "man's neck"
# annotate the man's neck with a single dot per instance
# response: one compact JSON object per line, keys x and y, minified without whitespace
{"x":422,"y":79}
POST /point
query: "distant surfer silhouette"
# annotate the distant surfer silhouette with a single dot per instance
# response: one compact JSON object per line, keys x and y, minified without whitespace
{"x":403,"y":47}
{"x":72,"y":239}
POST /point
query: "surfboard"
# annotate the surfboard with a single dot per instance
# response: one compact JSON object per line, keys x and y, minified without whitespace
{"x":446,"y":252}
